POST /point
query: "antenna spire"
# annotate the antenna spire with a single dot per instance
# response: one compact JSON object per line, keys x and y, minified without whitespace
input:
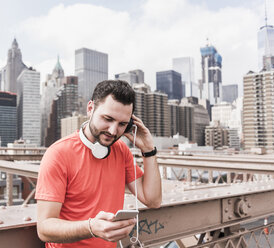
{"x":265,"y":13}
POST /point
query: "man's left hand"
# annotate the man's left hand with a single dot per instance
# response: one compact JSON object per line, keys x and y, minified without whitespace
{"x":144,"y":140}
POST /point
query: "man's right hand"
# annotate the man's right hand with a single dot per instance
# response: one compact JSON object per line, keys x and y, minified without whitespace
{"x":104,"y":226}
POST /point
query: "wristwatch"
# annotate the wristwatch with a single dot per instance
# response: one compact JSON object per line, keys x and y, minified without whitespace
{"x":149,"y":154}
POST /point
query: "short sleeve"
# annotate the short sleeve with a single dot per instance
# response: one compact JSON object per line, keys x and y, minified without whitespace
{"x":52,"y":177}
{"x":130,"y":173}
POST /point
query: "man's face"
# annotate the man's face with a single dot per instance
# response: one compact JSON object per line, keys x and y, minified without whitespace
{"x":109,"y":120}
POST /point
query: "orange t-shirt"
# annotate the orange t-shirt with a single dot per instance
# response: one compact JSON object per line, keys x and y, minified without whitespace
{"x":70,"y":174}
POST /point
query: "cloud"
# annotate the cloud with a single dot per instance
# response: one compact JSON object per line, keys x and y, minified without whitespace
{"x":163,"y":30}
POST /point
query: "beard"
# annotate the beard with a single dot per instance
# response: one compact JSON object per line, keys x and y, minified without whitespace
{"x":96,"y":134}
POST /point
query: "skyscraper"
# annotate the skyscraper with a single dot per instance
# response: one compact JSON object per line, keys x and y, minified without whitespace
{"x":141,"y":105}
{"x":174,"y":116}
{"x":230,"y":93}
{"x":8,"y":118}
{"x":49,"y":90}
{"x":211,"y":74}
{"x":157,"y":109}
{"x":152,"y":108}
{"x":91,"y":67}
{"x":266,"y":46}
{"x":13,"y":68}
{"x":185,"y":66}
{"x":258,"y":110}
{"x":28,"y":99}
{"x":170,"y":82}
{"x":64,"y":105}
{"x":195,"y":118}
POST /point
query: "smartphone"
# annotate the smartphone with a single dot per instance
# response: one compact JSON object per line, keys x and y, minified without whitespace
{"x":125,"y":214}
{"x":129,"y":126}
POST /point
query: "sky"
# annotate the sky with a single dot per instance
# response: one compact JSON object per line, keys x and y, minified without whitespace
{"x":136,"y":34}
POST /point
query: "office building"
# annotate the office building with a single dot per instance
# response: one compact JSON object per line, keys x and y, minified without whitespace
{"x":234,"y":140}
{"x":211,"y":74}
{"x":8,"y":118}
{"x":186,"y":121}
{"x":157,"y":117}
{"x":141,"y":104}
{"x":64,"y":105}
{"x":28,"y":102}
{"x":222,"y":113}
{"x":91,"y":67}
{"x":170,"y":83}
{"x":230,"y":93}
{"x":199,"y":119}
{"x":266,"y":46}
{"x":174,"y":116}
{"x":152,"y":108}
{"x":49,"y":90}
{"x":12,"y":69}
{"x":185,"y":66}
{"x":70,"y":124}
{"x":258,"y":110}
{"x":132,"y":77}
{"x":216,"y":136}
{"x":229,"y":115}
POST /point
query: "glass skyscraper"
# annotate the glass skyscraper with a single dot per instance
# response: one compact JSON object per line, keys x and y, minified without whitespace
{"x":170,"y":82}
{"x":230,"y":93}
{"x":91,"y":67}
{"x":211,"y":74}
{"x":265,"y":44}
{"x":185,"y":66}
{"x":8,"y":118}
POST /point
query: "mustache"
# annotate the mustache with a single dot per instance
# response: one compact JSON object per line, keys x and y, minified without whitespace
{"x":109,"y":134}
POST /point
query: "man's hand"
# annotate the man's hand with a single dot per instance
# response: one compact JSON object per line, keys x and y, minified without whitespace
{"x":144,"y":140}
{"x":104,"y":227}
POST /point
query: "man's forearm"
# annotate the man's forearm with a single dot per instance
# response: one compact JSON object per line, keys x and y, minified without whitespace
{"x":152,"y":185}
{"x":62,"y":231}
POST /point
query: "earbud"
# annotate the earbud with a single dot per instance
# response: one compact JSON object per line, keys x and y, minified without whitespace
{"x":98,"y":151}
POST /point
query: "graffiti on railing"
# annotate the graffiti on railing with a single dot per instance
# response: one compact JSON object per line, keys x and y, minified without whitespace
{"x":147,"y":227}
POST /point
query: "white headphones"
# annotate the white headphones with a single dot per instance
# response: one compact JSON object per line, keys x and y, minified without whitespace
{"x":98,"y":151}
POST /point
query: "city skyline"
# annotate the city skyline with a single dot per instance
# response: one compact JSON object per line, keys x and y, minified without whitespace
{"x":142,"y":34}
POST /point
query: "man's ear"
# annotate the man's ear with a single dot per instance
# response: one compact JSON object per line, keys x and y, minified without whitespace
{"x":90,"y":108}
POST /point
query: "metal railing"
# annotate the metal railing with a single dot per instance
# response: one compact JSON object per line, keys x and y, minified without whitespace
{"x":212,"y":199}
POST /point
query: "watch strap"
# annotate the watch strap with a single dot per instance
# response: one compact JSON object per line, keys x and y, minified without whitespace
{"x":150,"y":154}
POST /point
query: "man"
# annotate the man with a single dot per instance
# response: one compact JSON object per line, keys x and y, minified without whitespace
{"x":77,"y":194}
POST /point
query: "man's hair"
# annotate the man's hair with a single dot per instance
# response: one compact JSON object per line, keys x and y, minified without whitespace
{"x":120,"y":90}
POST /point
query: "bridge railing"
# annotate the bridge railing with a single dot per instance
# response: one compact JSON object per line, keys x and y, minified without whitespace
{"x":211,"y":209}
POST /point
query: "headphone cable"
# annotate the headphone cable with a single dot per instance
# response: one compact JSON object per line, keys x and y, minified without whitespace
{"x":133,"y":239}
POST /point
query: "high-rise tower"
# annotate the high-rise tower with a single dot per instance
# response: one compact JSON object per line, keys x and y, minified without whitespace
{"x":91,"y":67}
{"x":8,"y":115}
{"x":230,"y":93}
{"x":12,"y":69}
{"x":28,"y":102}
{"x":170,"y":82}
{"x":266,"y":46}
{"x":258,"y":110}
{"x":185,"y":66}
{"x":211,"y":74}
{"x":64,"y":105}
{"x":49,"y":89}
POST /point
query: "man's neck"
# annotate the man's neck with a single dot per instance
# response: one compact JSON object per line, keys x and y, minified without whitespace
{"x":88,"y":134}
